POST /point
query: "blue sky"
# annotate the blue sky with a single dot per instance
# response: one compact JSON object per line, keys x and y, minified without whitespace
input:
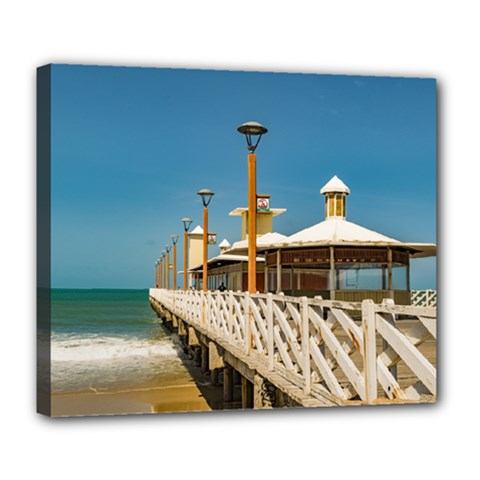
{"x":132,"y":146}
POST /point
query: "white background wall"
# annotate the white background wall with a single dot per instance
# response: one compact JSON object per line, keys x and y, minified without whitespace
{"x":429,"y":38}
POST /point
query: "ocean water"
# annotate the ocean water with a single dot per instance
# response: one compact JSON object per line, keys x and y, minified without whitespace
{"x":109,"y":340}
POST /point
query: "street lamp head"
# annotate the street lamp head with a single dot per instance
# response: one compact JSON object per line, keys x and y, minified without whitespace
{"x":164,"y":252}
{"x":206,"y":196}
{"x":174,"y":239}
{"x":186,"y":223}
{"x":168,"y":247}
{"x":250,"y":129}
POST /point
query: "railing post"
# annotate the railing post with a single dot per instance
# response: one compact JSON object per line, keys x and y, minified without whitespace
{"x":218,"y":301}
{"x":203,"y":309}
{"x":247,"y":313}
{"x":208,"y":310}
{"x":270,"y":337}
{"x":369,"y":350}
{"x":230,"y":316}
{"x":181,"y":293}
{"x":391,"y":319}
{"x":196,"y":307}
{"x":305,"y":346}
{"x":324,"y":315}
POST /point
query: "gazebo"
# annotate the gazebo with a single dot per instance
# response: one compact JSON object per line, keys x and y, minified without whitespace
{"x":340,"y":260}
{"x":231,"y":269}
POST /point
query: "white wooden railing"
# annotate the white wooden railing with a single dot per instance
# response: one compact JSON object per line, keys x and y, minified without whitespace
{"x":424,"y":298}
{"x":349,"y":351}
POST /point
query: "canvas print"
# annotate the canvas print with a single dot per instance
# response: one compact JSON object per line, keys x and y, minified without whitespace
{"x":233,"y":240}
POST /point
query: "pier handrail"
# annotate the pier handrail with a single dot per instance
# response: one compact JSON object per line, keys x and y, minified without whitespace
{"x":346,"y":351}
{"x":424,"y":298}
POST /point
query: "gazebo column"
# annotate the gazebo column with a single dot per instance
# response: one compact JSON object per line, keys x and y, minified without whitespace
{"x":265,"y":289}
{"x":389,"y":273}
{"x":408,"y":273}
{"x":332,"y":273}
{"x":279,"y":272}
{"x":292,"y":286}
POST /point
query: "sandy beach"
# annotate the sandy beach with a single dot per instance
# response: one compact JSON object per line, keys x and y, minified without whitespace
{"x":173,"y":398}
{"x":193,"y":394}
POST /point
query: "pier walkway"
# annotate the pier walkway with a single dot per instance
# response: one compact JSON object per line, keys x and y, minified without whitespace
{"x":310,"y":352}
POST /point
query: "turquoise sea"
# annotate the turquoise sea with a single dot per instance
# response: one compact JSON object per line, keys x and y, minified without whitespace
{"x":109,"y":340}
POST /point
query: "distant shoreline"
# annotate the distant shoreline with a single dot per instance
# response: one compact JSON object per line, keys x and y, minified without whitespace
{"x":99,"y":288}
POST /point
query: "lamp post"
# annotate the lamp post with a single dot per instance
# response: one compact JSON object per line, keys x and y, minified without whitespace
{"x":206,"y":197}
{"x":252,"y":129}
{"x":164,"y":279}
{"x":186,"y":225}
{"x":174,"y":241}
{"x":156,"y":273}
{"x":168,"y":247}
{"x":160,"y":272}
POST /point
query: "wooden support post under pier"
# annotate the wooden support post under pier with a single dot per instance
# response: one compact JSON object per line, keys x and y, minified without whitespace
{"x":247,"y":393}
{"x":215,"y":356}
{"x":181,"y":328}
{"x":204,"y":363}
{"x":192,"y":337}
{"x":237,"y":378}
{"x":214,"y":378}
{"x":264,"y":393}
{"x":228,"y":383}
{"x":197,"y":355}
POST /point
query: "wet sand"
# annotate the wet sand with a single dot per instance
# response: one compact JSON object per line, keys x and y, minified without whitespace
{"x":173,"y":398}
{"x":189,"y":390}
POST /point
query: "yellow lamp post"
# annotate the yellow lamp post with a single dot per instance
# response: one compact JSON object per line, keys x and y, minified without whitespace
{"x":168,"y":247}
{"x":252,"y":129}
{"x":156,"y":273}
{"x":186,"y":225}
{"x":164,"y":277}
{"x":206,"y":197}
{"x":159,"y":271}
{"x":174,"y":241}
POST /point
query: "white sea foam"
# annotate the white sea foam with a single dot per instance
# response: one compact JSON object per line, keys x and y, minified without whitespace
{"x":99,"y":362}
{"x":95,"y":348}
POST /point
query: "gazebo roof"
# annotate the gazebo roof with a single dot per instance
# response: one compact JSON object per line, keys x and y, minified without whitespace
{"x":224,"y":243}
{"x":198,"y":230}
{"x":335,"y":230}
{"x":224,"y":258}
{"x":241,"y":210}
{"x":340,"y":232}
{"x":335,"y":185}
{"x":267,"y":239}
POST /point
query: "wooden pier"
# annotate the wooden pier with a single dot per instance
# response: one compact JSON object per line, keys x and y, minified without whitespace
{"x":309,"y":352}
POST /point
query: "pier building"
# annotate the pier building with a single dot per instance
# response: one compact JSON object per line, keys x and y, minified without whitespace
{"x":341,"y":260}
{"x":336,"y":259}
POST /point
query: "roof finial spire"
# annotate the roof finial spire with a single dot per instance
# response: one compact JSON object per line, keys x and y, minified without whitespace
{"x":335,"y":192}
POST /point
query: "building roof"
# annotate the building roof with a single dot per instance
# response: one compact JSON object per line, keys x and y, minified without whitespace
{"x":224,"y":257}
{"x":266,"y":239}
{"x":198,"y":230}
{"x":335,"y":185}
{"x":224,"y":243}
{"x":337,"y":231}
{"x":240,"y":210}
